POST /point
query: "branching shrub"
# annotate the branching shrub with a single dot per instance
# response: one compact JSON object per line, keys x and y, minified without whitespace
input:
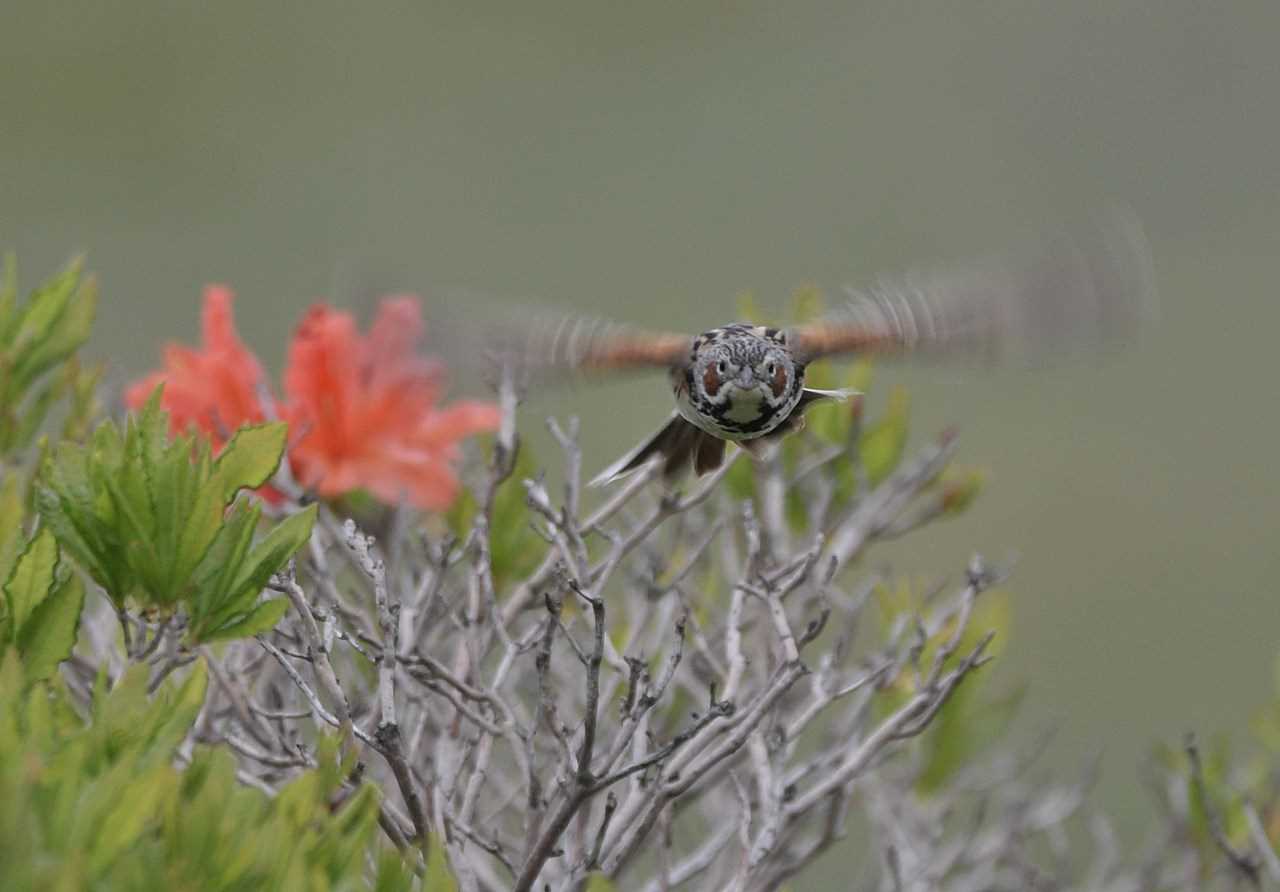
{"x":699,"y":687}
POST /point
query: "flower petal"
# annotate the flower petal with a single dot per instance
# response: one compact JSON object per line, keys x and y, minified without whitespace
{"x":213,"y":387}
{"x":364,"y":408}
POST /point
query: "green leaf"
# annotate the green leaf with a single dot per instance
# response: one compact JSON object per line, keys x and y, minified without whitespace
{"x":740,"y":481}
{"x":189,"y":700}
{"x":64,"y":334}
{"x":831,"y":420}
{"x":958,"y":487}
{"x":8,"y":298}
{"x":34,"y":413}
{"x":37,"y":320}
{"x":439,"y":878}
{"x":50,"y":634}
{"x":749,"y":308}
{"x":196,"y":535}
{"x":215,"y":579}
{"x":82,"y":387}
{"x":392,"y":873}
{"x":459,"y":516}
{"x":274,"y":550}
{"x":147,"y":517}
{"x":226,"y":601}
{"x":32,"y":578}
{"x":806,"y":303}
{"x":249,"y":459}
{"x":10,"y":523}
{"x":148,"y":431}
{"x":135,"y":807}
{"x":514,"y":547}
{"x":262,"y":618}
{"x":270,"y":555}
{"x":86,"y":539}
{"x":598,"y":882}
{"x":883,"y":444}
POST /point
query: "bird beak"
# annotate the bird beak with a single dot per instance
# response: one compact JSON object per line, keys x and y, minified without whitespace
{"x":746,"y":379}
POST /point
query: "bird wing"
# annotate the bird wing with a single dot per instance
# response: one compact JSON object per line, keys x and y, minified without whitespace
{"x":1069,"y":294}
{"x":477,"y":337}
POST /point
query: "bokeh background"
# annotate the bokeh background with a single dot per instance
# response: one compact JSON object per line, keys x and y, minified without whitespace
{"x":652,"y":161}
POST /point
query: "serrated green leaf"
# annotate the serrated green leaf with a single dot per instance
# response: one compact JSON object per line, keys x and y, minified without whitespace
{"x":142,"y":513}
{"x":262,"y":618}
{"x":270,"y":555}
{"x":87,"y":541}
{"x":225,"y":604}
{"x":49,"y":635}
{"x":198,"y":532}
{"x":249,"y":459}
{"x":214,"y":580}
{"x":31,"y":579}
{"x":147,"y":432}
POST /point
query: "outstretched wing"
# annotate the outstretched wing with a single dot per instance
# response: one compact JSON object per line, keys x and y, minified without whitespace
{"x":585,"y":345}
{"x":1070,"y":294}
{"x":477,"y":336}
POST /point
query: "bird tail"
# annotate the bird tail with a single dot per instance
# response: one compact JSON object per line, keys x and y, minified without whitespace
{"x":678,"y":443}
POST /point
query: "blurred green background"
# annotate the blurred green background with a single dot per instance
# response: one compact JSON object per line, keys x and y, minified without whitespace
{"x":652,"y":161}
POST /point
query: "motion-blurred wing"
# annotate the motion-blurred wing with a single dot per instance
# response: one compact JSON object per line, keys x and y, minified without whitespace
{"x":476,"y":336}
{"x":1070,"y":295}
{"x":571,"y":345}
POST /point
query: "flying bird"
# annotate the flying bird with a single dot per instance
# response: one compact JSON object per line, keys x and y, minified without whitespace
{"x":745,"y":384}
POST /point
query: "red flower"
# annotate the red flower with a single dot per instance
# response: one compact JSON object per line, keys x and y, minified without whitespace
{"x":362,"y":410}
{"x":214,"y":389}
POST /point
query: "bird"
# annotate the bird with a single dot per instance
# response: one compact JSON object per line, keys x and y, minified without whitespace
{"x":744,"y":383}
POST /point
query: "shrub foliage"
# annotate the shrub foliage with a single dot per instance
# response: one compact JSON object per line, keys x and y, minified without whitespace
{"x":211,"y":679}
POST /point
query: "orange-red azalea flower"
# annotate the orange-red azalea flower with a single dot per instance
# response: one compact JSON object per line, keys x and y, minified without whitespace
{"x":362,"y":409}
{"x":214,"y":388}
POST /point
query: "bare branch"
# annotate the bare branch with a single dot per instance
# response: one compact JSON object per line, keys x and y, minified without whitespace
{"x":1246,"y":864}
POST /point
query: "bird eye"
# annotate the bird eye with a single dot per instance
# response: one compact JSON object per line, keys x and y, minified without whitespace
{"x":721,"y":368}
{"x":777,"y":378}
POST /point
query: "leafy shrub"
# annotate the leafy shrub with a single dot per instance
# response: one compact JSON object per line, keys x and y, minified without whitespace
{"x":156,"y":522}
{"x":102,"y":804}
{"x":691,"y":688}
{"x":38,"y":341}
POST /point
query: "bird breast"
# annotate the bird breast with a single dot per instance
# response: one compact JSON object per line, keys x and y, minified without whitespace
{"x":741,"y":415}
